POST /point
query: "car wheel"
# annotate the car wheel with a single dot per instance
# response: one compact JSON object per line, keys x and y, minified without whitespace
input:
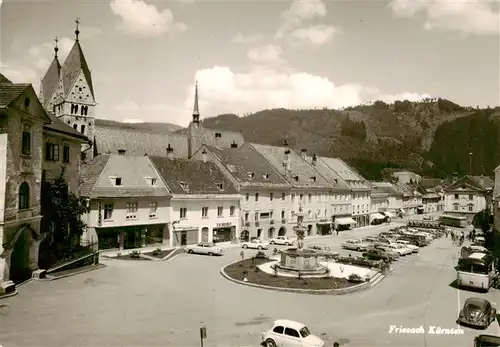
{"x":210,"y":254}
{"x":244,"y":246}
{"x":270,"y":343}
{"x":272,"y":242}
{"x":190,"y":251}
{"x":260,"y":247}
{"x":287,"y":244}
{"x":358,"y":249}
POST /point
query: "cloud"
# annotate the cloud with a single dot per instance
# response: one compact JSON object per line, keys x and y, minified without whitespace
{"x":132,"y":112}
{"x":18,"y":73}
{"x":133,"y":120}
{"x":145,"y":20}
{"x":472,"y":17}
{"x":269,"y":54}
{"x":315,"y":34}
{"x":240,"y":38}
{"x":299,"y":12}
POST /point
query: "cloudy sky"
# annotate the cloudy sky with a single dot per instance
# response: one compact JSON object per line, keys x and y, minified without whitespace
{"x":145,"y":56}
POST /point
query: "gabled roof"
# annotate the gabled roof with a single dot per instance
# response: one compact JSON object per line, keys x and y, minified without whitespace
{"x":74,"y":63}
{"x":226,"y":138}
{"x":347,"y":173}
{"x":330,"y":175}
{"x":135,"y":142}
{"x":301,"y":175}
{"x":184,"y":176}
{"x":9,"y":92}
{"x":50,"y":80}
{"x":472,"y":182}
{"x":4,"y":80}
{"x":60,"y":127}
{"x":249,"y":167}
{"x":386,"y":187}
{"x":97,"y":178}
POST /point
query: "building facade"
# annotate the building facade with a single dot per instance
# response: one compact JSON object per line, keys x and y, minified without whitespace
{"x":394,"y":196}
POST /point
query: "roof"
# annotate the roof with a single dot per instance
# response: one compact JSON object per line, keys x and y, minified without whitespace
{"x":225,"y":139}
{"x":50,"y":80}
{"x":330,"y":175}
{"x":74,"y":63}
{"x":301,"y":174}
{"x":59,"y":126}
{"x":183,"y":176}
{"x":485,"y":181}
{"x":249,"y":167}
{"x":475,"y":182}
{"x":477,"y":255}
{"x":492,"y":339}
{"x":9,"y":92}
{"x":135,"y":142}
{"x":475,"y":301}
{"x":347,"y":173}
{"x":289,"y":324}
{"x":385,"y":187}
{"x":97,"y":178}
{"x":4,"y":79}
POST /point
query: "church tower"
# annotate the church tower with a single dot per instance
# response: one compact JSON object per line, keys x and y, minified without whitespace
{"x":50,"y":80}
{"x":73,"y":98}
{"x":195,"y":131}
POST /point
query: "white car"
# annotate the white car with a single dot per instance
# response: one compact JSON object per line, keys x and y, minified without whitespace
{"x":207,"y":248}
{"x":355,"y":245}
{"x":399,"y":249}
{"x":288,"y":333}
{"x":254,"y":244}
{"x":407,"y":244}
{"x":281,"y":240}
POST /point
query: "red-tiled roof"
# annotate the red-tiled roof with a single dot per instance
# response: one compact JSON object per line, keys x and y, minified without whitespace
{"x":9,"y":92}
{"x":50,"y":80}
{"x":184,"y":176}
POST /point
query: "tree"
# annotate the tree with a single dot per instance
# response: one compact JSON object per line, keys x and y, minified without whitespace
{"x":61,"y":211}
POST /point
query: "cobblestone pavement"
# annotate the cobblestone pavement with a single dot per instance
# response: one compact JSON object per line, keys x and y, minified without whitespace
{"x":164,"y":303}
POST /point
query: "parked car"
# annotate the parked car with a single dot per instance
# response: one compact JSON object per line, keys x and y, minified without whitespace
{"x":477,"y":313}
{"x":407,"y":244}
{"x":207,"y":248}
{"x":281,"y":240}
{"x":255,"y":244}
{"x":288,"y":333}
{"x":323,"y":250}
{"x":370,"y":240}
{"x":377,"y":254}
{"x":400,"y":249}
{"x":487,"y":341}
{"x":384,"y":247}
{"x":355,"y":245}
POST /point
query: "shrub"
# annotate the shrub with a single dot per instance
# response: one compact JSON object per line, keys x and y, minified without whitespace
{"x":261,"y":255}
{"x":355,"y":278}
{"x":157,"y":252}
{"x":135,"y":254}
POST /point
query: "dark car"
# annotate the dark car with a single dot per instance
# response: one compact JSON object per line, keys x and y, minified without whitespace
{"x":477,"y":313}
{"x":376,"y":254}
{"x":487,"y":341}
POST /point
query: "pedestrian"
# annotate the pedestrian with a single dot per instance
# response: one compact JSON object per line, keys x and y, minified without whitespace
{"x":337,"y":232}
{"x":242,"y":255}
{"x":336,"y":344}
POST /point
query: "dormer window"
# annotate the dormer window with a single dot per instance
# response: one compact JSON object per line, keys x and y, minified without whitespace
{"x":296,"y":178}
{"x":218,"y":135}
{"x":151,"y":181}
{"x":117,"y":181}
{"x":121,"y":152}
{"x":184,"y":186}
{"x":251,"y":175}
{"x":265,"y":176}
{"x":220,"y":186}
{"x":313,"y":179}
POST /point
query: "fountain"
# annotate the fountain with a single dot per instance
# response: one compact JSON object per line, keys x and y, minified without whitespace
{"x":297,"y":259}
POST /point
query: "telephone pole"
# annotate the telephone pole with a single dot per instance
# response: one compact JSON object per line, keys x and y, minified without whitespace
{"x":470,"y":163}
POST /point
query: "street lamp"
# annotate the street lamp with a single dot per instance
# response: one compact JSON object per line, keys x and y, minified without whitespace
{"x":470,"y":163}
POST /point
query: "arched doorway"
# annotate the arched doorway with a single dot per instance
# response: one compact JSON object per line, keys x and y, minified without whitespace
{"x":20,"y":269}
{"x":245,"y":236}
{"x":270,"y":233}
{"x":204,"y":234}
{"x":282,"y":231}
{"x":309,"y":230}
{"x":259,"y":233}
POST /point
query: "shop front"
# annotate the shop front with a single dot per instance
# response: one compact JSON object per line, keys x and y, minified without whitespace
{"x":185,"y":236}
{"x":344,"y":223}
{"x":129,"y":237}
{"x":324,"y":227}
{"x":224,"y":232}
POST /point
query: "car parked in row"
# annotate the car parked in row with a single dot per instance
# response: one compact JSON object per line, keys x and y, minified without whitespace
{"x":207,"y":248}
{"x":407,"y":244}
{"x":477,"y":313}
{"x":377,"y":254}
{"x":355,"y":245}
{"x":255,"y":244}
{"x":281,"y":240}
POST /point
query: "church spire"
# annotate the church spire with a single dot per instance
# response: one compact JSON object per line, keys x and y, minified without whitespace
{"x":56,"y":49}
{"x":77,"y":31}
{"x":196,"y":110}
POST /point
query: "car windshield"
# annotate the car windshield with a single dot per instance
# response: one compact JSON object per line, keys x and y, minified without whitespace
{"x":304,"y":332}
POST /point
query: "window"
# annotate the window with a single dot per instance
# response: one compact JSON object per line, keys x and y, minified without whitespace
{"x":293,"y":197}
{"x":51,"y":152}
{"x":117,"y":181}
{"x":220,"y":209}
{"x":204,"y":212}
{"x":82,"y":129}
{"x":151,"y":181}
{"x":456,"y":196}
{"x":220,"y":186}
{"x":471,"y":208}
{"x":24,"y":196}
{"x":256,"y":215}
{"x":247,"y":215}
{"x":278,"y":330}
{"x":256,"y":197}
{"x":301,"y":196}
{"x":292,"y":332}
{"x":108,"y":211}
{"x":26,"y":140}
{"x":309,"y":197}
{"x":131,"y":210}
{"x":184,"y":186}
{"x":247,"y":196}
{"x":26,"y":102}
{"x":471,"y":197}
{"x":183,"y":212}
{"x":282,"y":214}
{"x":66,"y":153}
{"x":283,"y":196}
{"x":153,"y":206}
{"x":232,"y":210}
{"x":75,"y":126}
{"x":455,"y":207}
{"x":271,"y":196}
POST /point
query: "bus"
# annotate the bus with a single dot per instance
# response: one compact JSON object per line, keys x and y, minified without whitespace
{"x":454,"y":221}
{"x":476,"y":271}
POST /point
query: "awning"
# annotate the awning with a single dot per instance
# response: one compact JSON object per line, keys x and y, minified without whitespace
{"x":377,"y":216}
{"x":389,"y":214}
{"x":345,"y":221}
{"x":323,"y":223}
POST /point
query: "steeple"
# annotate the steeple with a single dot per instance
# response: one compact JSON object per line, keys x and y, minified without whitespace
{"x":196,"y":110}
{"x":56,"y":49}
{"x":51,"y":79}
{"x":77,"y":31}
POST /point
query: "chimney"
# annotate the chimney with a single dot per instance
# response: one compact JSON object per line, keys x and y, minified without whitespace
{"x":234,"y":145}
{"x":170,"y":152}
{"x":204,"y":155}
{"x":303,"y":153}
{"x":287,"y":160}
{"x":455,"y":177}
{"x":314,"y":159}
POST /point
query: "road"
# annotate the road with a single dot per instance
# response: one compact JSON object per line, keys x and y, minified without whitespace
{"x":164,"y":303}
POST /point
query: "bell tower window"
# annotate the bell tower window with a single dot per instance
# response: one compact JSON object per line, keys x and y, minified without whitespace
{"x":74,"y":109}
{"x":82,"y":129}
{"x":75,"y":126}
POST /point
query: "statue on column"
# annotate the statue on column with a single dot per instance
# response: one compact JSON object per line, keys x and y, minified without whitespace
{"x":300,"y":229}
